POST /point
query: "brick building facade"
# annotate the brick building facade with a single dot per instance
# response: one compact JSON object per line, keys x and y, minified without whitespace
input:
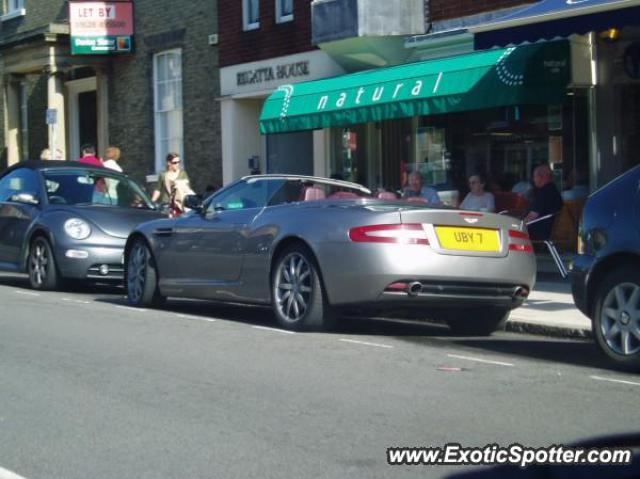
{"x":109,"y":99}
{"x":270,"y":40}
{"x":255,"y":60}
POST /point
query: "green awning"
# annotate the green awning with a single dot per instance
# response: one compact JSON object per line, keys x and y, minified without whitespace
{"x":531,"y":74}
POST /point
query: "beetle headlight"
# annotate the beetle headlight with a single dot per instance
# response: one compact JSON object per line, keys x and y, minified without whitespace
{"x":77,"y":228}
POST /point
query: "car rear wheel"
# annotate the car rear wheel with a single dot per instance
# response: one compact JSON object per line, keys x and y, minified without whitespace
{"x":478,"y":322}
{"x":43,"y":272}
{"x":297,"y":294}
{"x":616,"y":324}
{"x":142,"y":277}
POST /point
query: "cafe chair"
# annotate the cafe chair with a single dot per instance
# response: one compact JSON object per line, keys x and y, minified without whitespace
{"x":553,"y":251}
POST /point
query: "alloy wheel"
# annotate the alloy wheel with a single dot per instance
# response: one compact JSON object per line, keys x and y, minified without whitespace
{"x":620,"y":319}
{"x":136,"y":272}
{"x":39,"y":264}
{"x":293,"y":287}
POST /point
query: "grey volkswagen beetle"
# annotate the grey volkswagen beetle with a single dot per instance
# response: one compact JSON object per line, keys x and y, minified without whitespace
{"x":312,"y":246}
{"x":65,"y":220}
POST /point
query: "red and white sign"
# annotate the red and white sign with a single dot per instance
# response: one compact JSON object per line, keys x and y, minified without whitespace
{"x":95,"y":19}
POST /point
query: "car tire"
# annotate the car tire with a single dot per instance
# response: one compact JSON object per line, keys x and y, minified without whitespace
{"x":297,"y":292}
{"x":616,"y":318}
{"x":141,"y":277}
{"x":41,"y":265}
{"x":478,"y":322}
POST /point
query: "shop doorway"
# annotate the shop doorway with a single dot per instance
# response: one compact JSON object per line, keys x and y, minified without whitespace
{"x":290,"y":153}
{"x":83,"y":114}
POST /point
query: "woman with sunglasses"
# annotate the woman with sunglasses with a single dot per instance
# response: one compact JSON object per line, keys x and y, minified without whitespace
{"x":478,"y":199}
{"x":173,"y":185}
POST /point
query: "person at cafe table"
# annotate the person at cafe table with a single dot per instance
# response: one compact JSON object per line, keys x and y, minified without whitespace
{"x":417,"y":189}
{"x":478,"y":199}
{"x":547,"y":201}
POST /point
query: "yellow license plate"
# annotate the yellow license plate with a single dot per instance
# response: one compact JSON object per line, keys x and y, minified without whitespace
{"x":468,"y":239}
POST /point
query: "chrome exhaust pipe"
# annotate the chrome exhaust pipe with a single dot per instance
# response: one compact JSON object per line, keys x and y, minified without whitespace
{"x":521,"y":293}
{"x":414,"y":288}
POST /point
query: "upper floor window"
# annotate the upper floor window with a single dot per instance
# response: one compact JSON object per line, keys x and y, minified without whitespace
{"x":12,"y":9}
{"x":251,"y":14}
{"x":284,"y":11}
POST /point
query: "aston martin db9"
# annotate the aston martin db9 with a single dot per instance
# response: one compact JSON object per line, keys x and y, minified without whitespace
{"x":312,"y":247}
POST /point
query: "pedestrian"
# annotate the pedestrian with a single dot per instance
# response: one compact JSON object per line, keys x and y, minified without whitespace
{"x":416,"y":189}
{"x":173,"y":185}
{"x":547,"y":201}
{"x":45,"y":155}
{"x":88,"y":155}
{"x":111,"y":158}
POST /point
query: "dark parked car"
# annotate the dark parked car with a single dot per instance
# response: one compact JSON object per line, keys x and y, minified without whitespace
{"x":309,"y":246}
{"x":606,"y":271}
{"x":68,"y":220}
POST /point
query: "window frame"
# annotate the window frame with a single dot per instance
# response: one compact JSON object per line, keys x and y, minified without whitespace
{"x":280,"y":18}
{"x":160,"y":156}
{"x":24,"y":121}
{"x":247,"y":25}
{"x":12,"y":9}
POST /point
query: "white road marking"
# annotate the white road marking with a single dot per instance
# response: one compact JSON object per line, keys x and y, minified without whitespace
{"x":365,"y":343}
{"x":7,"y":474}
{"x":619,"y":381}
{"x":129,"y":308}
{"x":197,"y":318}
{"x":480,"y":360}
{"x":264,"y":328}
{"x":26,"y":293}
{"x":79,"y":301}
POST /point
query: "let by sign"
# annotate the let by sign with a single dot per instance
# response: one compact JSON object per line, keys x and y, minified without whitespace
{"x":101,"y":28}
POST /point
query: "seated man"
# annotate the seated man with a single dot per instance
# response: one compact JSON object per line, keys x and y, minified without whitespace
{"x":546,"y":201}
{"x":417,"y":190}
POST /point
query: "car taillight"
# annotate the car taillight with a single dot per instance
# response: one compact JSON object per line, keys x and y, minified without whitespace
{"x":397,"y":233}
{"x":524,"y":245}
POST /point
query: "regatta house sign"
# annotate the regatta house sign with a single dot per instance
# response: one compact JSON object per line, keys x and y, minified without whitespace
{"x":270,"y":73}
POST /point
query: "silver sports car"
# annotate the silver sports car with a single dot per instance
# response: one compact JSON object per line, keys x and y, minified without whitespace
{"x":312,"y":247}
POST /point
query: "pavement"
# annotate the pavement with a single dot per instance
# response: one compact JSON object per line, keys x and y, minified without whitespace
{"x":550,"y":310}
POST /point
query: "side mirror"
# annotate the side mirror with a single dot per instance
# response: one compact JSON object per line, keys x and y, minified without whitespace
{"x":193,"y":202}
{"x":25,"y":198}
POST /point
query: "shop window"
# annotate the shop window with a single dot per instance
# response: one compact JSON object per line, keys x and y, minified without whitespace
{"x":251,"y":14}
{"x":167,"y":89}
{"x":24,"y":122}
{"x":284,"y":11}
{"x":12,"y":9}
{"x":350,"y":154}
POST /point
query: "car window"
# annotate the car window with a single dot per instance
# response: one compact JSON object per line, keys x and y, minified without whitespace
{"x":251,"y":193}
{"x":288,"y":192}
{"x":82,"y":187}
{"x":23,"y":180}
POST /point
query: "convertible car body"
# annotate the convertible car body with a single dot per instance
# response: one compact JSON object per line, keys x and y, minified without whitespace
{"x":311,"y":246}
{"x":67,"y":220}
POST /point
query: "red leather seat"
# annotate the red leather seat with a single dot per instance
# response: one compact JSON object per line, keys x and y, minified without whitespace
{"x":342,"y":195}
{"x":313,"y":193}
{"x":387,"y":195}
